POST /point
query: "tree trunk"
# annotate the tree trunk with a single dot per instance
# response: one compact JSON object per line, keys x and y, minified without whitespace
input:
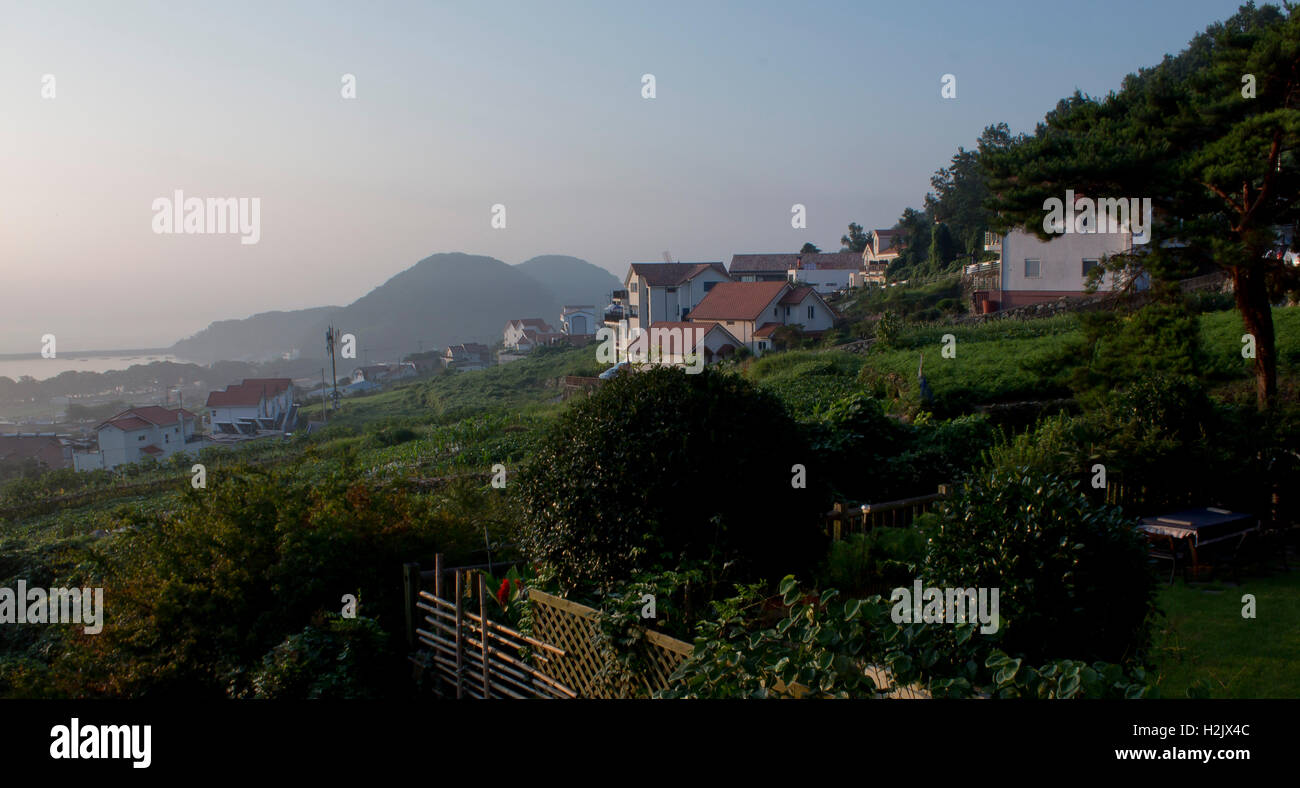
{"x":1251,"y":292}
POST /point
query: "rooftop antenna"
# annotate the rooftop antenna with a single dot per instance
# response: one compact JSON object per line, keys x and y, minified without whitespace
{"x":668,"y":258}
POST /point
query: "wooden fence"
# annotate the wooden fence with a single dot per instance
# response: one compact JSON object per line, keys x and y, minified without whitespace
{"x":472,"y":656}
{"x":464,"y":654}
{"x":844,"y":520}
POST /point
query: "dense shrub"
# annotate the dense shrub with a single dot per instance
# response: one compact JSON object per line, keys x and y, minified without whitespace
{"x":334,"y":659}
{"x":1073,"y":576}
{"x":876,"y":561}
{"x":661,"y":466}
{"x":823,"y":644}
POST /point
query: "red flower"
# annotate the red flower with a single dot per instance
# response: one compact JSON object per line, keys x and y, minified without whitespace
{"x":503,"y":593}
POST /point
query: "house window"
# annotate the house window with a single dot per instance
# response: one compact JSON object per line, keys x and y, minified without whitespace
{"x":1088,"y":265}
{"x":167,"y":439}
{"x":633,"y":285}
{"x":709,"y":286}
{"x":762,"y":346}
{"x":672,"y":290}
{"x":787,"y":311}
{"x":140,"y":438}
{"x":810,"y":313}
{"x":1033,"y":269}
{"x":731,"y":322}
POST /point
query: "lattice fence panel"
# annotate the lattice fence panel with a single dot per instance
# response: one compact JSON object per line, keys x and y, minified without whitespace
{"x":587,"y":667}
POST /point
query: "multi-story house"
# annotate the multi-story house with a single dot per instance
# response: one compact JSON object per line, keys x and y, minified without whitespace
{"x":253,"y":405}
{"x":668,"y":291}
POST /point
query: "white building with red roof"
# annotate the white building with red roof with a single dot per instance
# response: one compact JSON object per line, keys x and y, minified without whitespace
{"x":253,"y":405}
{"x":681,"y":343}
{"x":752,"y":311}
{"x":132,"y":435}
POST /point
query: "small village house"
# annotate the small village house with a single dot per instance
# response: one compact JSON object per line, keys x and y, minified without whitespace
{"x":253,"y":405}
{"x":682,"y":343}
{"x":578,"y":320}
{"x":467,"y":356}
{"x":523,"y":335}
{"x":826,"y":273}
{"x":136,"y":433}
{"x":1032,"y":270}
{"x":883,"y":247}
{"x":752,"y":311}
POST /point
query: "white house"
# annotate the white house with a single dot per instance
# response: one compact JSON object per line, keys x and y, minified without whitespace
{"x":134,"y":434}
{"x":579,"y":320}
{"x":666,"y":292}
{"x":1033,"y":271}
{"x":883,"y":246}
{"x":467,"y":356}
{"x":826,"y":273}
{"x":522,"y":335}
{"x":680,"y":343}
{"x":752,"y":311}
{"x":255,"y":404}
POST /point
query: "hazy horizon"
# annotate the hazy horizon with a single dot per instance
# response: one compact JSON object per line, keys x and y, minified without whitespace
{"x":458,"y":108}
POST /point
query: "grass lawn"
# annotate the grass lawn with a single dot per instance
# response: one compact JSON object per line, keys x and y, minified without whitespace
{"x":1205,"y":638}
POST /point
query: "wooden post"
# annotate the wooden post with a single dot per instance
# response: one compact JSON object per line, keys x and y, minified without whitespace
{"x":437,"y":575}
{"x":483,"y":637}
{"x":460,"y":638}
{"x":411,"y":586}
{"x":838,"y":509}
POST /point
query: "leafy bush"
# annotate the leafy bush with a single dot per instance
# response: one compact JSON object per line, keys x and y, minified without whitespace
{"x":660,"y":466}
{"x":881,"y":558}
{"x":394,"y":435}
{"x":333,"y":659}
{"x":1073,"y":576}
{"x":1053,"y":446}
{"x":823,"y":645}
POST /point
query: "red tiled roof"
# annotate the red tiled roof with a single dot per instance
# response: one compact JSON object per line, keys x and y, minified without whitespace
{"x":673,"y":274}
{"x":151,"y":449}
{"x":141,"y":417}
{"x":737,"y":300}
{"x":248,"y":393}
{"x":43,"y":448}
{"x":796,"y":295}
{"x":766,"y":329}
{"x":762,"y":263}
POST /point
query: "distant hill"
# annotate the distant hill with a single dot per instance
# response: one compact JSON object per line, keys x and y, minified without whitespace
{"x":572,"y":280}
{"x":442,"y":299}
{"x":257,"y":338}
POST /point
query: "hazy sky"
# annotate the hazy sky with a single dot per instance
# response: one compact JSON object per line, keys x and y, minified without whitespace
{"x":536,"y":106}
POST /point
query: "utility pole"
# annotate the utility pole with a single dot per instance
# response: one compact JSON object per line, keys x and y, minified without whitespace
{"x":330,"y":335}
{"x":324,"y":404}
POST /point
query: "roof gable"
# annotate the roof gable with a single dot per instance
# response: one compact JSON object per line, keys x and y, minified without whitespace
{"x":671,"y":274}
{"x":738,"y":300}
